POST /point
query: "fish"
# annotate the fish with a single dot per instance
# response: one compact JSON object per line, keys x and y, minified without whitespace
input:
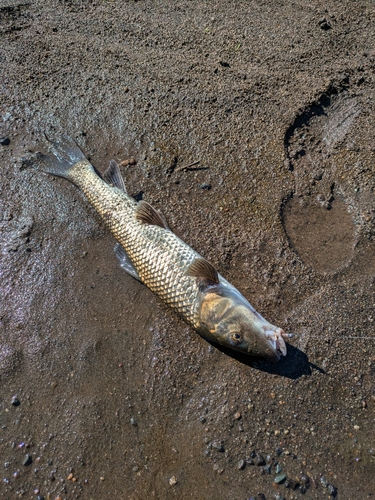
{"x":153,"y":254}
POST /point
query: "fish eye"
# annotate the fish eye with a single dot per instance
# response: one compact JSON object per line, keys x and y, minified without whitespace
{"x":236,"y":338}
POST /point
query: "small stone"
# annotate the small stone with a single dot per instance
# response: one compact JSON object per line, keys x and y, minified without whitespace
{"x":135,"y":469}
{"x":15,"y":401}
{"x":332,"y":490}
{"x":267,"y":469}
{"x":290,"y":483}
{"x":133,"y":421}
{"x":207,"y":187}
{"x":218,"y":445}
{"x":280,"y":479}
{"x":253,"y":454}
{"x":324,"y":482}
{"x":224,"y":64}
{"x":356,"y":427}
{"x":202,"y":419}
{"x":305,"y":480}
{"x":101,"y":478}
{"x":278,"y":451}
{"x":279,"y":497}
{"x":16,"y":474}
{"x":132,"y":161}
{"x":261,"y":496}
{"x":324,"y":24}
{"x":241,"y":464}
{"x":70,"y":477}
{"x":237,"y":415}
{"x":249,"y":461}
{"x":39,"y":497}
{"x":278,"y":468}
{"x":126,"y":89}
{"x":173,"y":480}
{"x":27,"y":460}
{"x":260,"y":460}
{"x":4,"y":141}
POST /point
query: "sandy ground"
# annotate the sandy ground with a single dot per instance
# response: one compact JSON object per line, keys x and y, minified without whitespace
{"x":118,"y":398}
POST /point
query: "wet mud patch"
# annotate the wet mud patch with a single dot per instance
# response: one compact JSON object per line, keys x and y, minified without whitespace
{"x":324,"y":239}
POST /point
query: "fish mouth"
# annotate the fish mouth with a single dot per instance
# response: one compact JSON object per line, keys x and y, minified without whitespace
{"x":276,"y":340}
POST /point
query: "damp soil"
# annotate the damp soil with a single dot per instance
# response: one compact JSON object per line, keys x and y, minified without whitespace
{"x":104,"y":392}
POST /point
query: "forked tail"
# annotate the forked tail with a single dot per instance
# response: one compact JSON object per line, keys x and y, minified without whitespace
{"x":65,"y":156}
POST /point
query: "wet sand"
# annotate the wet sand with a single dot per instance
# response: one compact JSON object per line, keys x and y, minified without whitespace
{"x":105,"y":393}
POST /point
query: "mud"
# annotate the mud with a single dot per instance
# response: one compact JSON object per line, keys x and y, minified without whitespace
{"x":118,"y":397}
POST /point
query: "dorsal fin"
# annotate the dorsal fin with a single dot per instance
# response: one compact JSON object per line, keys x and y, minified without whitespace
{"x":112,"y":176}
{"x":201,"y":268}
{"x":147,"y":214}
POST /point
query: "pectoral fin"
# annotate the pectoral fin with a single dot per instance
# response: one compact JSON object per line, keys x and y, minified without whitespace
{"x":125,"y":262}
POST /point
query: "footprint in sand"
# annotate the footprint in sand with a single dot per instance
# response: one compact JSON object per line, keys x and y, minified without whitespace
{"x":316,"y":218}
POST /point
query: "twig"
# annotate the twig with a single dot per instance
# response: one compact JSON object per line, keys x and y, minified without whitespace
{"x":187,"y":167}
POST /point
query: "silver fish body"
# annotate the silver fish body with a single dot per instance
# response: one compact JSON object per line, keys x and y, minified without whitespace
{"x":175,"y":272}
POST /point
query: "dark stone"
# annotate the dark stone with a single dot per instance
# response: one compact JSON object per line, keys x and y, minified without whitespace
{"x":15,"y":401}
{"x":206,"y":186}
{"x":218,"y":445}
{"x":267,"y":469}
{"x":324,"y":24}
{"x":27,"y":460}
{"x":224,"y":64}
{"x":4,"y":141}
{"x":260,"y":459}
{"x":332,"y":490}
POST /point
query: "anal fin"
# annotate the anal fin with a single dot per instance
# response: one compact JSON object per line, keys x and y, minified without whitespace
{"x":125,"y":262}
{"x":112,"y":176}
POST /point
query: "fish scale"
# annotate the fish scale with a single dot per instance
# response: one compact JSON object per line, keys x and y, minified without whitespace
{"x":158,"y":255}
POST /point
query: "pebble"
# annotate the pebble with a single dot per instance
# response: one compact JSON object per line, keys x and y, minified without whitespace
{"x":278,"y":469}
{"x":267,"y":469}
{"x":260,"y":459}
{"x":27,"y":460}
{"x":332,"y":490}
{"x":249,"y":461}
{"x":173,"y":480}
{"x":261,"y":496}
{"x":4,"y":141}
{"x":280,"y":479}
{"x":39,"y":497}
{"x":237,"y":415}
{"x":290,"y":483}
{"x":15,"y":401}
{"x":207,"y":187}
{"x":278,"y":451}
{"x":218,"y":445}
{"x":241,"y":464}
{"x":202,"y":419}
{"x":304,"y":479}
{"x":133,"y":421}
{"x":132,"y":161}
{"x":324,"y":482}
{"x":279,"y":497}
{"x":16,"y":474}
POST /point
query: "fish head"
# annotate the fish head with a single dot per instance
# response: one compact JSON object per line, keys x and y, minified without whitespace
{"x":228,"y":319}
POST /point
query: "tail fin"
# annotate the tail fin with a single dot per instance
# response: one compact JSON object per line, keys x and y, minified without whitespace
{"x":65,"y":155}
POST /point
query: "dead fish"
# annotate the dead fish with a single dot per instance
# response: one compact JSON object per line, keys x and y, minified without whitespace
{"x":150,"y":252}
